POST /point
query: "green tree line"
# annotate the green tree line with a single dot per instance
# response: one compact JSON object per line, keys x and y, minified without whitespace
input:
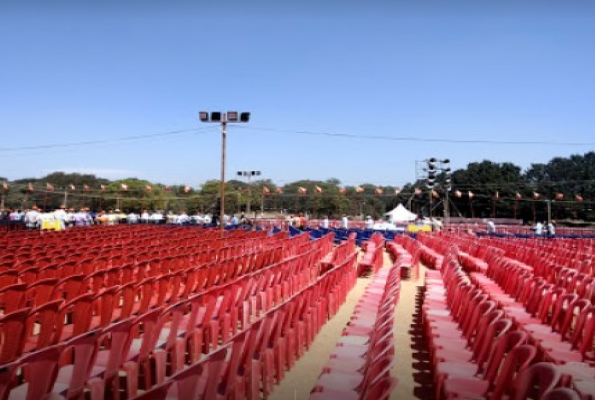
{"x":481,"y":190}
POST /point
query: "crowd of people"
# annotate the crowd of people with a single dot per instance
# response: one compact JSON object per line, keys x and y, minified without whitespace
{"x":63,"y":218}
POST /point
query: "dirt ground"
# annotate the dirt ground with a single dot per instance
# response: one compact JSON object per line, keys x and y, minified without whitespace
{"x":410,"y":367}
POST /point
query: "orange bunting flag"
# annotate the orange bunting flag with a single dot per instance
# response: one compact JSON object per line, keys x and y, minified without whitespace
{"x":536,"y":195}
{"x":102,"y":186}
{"x":397,"y":191}
{"x":166,"y":188}
{"x":148,"y":188}
{"x":559,"y":196}
{"x":435,"y":194}
{"x":302,"y":190}
{"x":124,"y":186}
{"x":49,"y":187}
{"x":31,"y":188}
{"x":86,"y":188}
{"x":318,"y":189}
{"x":187,"y":189}
{"x":379,"y":191}
{"x":5,"y":185}
{"x":265,"y":191}
{"x":417,"y":191}
{"x":458,"y":193}
{"x":279,"y":190}
{"x":359,"y":189}
{"x":518,"y":196}
{"x":72,"y":187}
{"x":343,"y":191}
{"x":471,"y":194}
{"x":579,"y":198}
{"x":497,"y":196}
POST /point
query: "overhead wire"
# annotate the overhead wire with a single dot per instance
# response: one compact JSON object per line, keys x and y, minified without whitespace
{"x":107,"y":141}
{"x":416,"y":139}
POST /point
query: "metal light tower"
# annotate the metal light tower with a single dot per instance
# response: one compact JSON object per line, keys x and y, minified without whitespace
{"x":435,"y":166}
{"x":223,"y":119}
{"x":249,"y":175}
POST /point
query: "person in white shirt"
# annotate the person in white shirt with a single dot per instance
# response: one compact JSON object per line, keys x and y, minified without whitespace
{"x":183,"y":218}
{"x":144,"y":217}
{"x":324,"y":223}
{"x":345,"y":222}
{"x":491,"y":227}
{"x":369,"y":222}
{"x":32,"y":218}
{"x":14,"y":215}
{"x":551,"y":229}
{"x":112,"y":219}
{"x":538,"y":228}
{"x":132,"y":218}
{"x":60,"y":216}
{"x":156,"y":217}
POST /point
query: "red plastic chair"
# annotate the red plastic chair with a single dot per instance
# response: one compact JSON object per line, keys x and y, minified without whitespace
{"x":40,"y":292}
{"x":144,"y":336}
{"x":12,"y":297}
{"x":543,"y":375}
{"x":104,"y":374}
{"x":68,"y":288}
{"x":32,"y":376}
{"x":518,"y":359}
{"x":13,"y":329}
{"x":43,"y":324}
{"x":76,"y":316}
{"x":200,"y":380}
{"x":78,"y":357}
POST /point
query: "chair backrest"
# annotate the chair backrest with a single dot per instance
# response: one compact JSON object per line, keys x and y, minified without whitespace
{"x":561,"y":394}
{"x":46,"y":316}
{"x":544,"y":374}
{"x":84,"y":350}
{"x":517,"y":360}
{"x":12,"y":297}
{"x":502,"y":346}
{"x":148,"y":323}
{"x":13,"y":328}
{"x":117,"y":335}
{"x":187,"y":380}
{"x":41,"y":370}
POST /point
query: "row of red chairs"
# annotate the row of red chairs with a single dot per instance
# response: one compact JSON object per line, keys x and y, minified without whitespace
{"x":185,"y":329}
{"x":477,"y":351}
{"x":339,"y":254}
{"x":407,"y":250}
{"x":257,"y":358}
{"x":373,"y":257}
{"x":22,"y":256}
{"x":49,"y":304}
{"x":359,"y":367}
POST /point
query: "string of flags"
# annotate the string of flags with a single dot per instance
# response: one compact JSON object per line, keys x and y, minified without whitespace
{"x":558,"y":196}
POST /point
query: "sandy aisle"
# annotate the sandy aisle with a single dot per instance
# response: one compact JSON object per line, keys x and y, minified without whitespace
{"x":301,"y":379}
{"x":405,"y":343}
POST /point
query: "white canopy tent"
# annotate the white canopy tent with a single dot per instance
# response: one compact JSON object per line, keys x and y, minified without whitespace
{"x":401,"y":214}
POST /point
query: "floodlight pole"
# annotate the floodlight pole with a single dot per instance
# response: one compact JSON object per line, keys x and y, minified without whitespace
{"x":222,"y":183}
{"x":223,"y":119}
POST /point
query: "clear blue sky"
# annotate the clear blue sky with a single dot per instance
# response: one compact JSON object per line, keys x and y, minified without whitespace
{"x":71,"y":71}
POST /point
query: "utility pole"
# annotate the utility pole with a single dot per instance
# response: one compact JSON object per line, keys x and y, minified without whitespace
{"x":549,"y":211}
{"x":222,"y":183}
{"x":223,"y":119}
{"x":66,"y":196}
